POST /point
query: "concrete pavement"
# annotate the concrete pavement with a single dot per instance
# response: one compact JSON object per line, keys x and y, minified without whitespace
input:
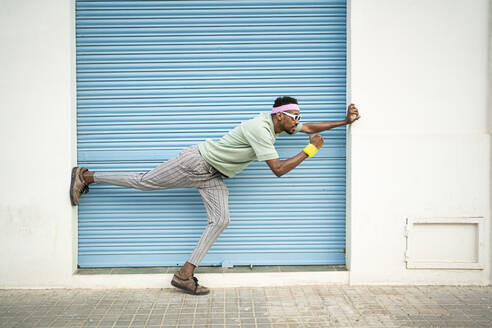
{"x":296,"y":306}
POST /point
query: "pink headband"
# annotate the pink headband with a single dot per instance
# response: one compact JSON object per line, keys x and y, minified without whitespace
{"x":284,"y":108}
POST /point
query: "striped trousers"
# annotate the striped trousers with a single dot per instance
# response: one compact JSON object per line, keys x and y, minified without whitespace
{"x":187,"y":170}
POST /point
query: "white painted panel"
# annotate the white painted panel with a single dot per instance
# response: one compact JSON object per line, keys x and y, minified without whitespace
{"x":445,"y":243}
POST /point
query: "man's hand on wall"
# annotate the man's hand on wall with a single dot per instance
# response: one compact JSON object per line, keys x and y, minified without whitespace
{"x":352,"y":114}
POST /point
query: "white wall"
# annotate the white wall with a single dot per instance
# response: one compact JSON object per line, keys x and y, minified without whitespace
{"x":36,"y":122}
{"x":421,"y":148}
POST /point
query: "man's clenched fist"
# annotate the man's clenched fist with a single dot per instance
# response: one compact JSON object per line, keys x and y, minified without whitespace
{"x":316,"y":140}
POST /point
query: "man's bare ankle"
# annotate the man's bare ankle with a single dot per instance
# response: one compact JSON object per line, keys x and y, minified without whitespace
{"x":186,"y":271}
{"x":183,"y":274}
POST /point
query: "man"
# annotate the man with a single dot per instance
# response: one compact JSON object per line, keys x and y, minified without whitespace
{"x":203,"y":166}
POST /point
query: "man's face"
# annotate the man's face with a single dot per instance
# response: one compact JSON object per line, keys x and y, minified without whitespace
{"x":289,"y":123}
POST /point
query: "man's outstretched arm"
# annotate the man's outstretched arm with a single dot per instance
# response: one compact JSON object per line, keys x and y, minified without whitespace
{"x":352,"y":116}
{"x":281,"y":167}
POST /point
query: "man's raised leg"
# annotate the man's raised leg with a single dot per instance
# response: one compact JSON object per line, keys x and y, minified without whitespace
{"x":165,"y":176}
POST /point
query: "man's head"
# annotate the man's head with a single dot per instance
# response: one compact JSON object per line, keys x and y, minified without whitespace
{"x":286,"y":114}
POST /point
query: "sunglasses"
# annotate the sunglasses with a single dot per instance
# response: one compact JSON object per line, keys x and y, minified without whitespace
{"x":296,"y":117}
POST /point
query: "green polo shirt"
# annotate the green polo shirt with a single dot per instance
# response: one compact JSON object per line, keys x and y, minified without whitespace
{"x":249,"y":141}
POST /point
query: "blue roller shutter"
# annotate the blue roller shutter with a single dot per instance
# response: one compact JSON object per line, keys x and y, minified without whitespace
{"x":154,"y":77}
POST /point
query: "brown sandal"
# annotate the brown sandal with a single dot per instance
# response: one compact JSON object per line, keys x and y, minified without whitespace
{"x":189,"y":285}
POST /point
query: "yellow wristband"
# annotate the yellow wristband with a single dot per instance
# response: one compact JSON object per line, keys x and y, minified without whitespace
{"x":310,"y":150}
